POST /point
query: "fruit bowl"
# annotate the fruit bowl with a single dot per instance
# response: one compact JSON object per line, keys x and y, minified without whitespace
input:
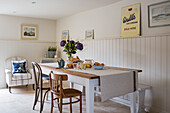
{"x":98,"y":67}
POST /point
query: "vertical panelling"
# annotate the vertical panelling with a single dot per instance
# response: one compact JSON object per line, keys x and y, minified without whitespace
{"x":138,"y":56}
{"x":129,"y":52}
{"x":143,"y":57}
{"x":111,"y":52}
{"x":148,"y":60}
{"x":133,"y":65}
{"x":125,"y":53}
{"x":151,"y":54}
{"x":164,"y":73}
{"x":99,"y":50}
{"x":121,"y":53}
{"x":114,"y":52}
{"x":158,"y":70}
{"x":117,"y":52}
{"x":168,"y":74}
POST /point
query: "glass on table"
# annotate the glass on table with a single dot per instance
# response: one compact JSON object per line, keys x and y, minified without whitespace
{"x":74,"y":65}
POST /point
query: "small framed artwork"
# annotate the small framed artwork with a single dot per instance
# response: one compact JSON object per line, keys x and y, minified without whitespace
{"x":29,"y":31}
{"x":159,"y":14}
{"x":131,"y":20}
{"x":65,"y":35}
{"x":89,"y":34}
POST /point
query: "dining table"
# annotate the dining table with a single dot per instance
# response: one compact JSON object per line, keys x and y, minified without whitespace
{"x":91,"y":78}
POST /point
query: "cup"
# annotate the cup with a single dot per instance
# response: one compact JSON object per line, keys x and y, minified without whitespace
{"x":74,"y":65}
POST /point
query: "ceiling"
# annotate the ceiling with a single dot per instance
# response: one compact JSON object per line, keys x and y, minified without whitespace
{"x":49,"y":9}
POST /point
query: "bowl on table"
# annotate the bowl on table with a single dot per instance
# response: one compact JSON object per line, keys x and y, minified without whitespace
{"x":96,"y":67}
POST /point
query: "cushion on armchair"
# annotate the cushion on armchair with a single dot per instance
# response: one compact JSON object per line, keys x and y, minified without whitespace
{"x":19,"y":66}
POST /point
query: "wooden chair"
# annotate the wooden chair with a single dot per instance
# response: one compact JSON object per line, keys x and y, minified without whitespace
{"x":57,"y":90}
{"x":41,"y":83}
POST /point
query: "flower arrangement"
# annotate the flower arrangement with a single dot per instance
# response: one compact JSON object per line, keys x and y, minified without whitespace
{"x":70,"y":47}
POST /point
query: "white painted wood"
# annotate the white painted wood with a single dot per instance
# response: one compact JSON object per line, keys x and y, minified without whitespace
{"x":133,"y":102}
{"x":89,"y":96}
{"x":151,"y":54}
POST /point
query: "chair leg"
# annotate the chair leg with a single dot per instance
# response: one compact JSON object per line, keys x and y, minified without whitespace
{"x":6,"y":85}
{"x":44,"y":99}
{"x":47,"y":96}
{"x":70,"y":105}
{"x":36,"y":98}
{"x":58,"y":104}
{"x":52,"y":102}
{"x":80,"y":103}
{"x":33,"y":86}
{"x":61,"y":104}
{"x":9,"y":89}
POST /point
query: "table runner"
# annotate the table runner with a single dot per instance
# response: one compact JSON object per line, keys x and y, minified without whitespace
{"x":113,"y":82}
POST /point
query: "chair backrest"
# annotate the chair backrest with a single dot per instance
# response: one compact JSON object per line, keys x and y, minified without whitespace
{"x":37,"y":73}
{"x":56,"y":82}
{"x":8,"y":61}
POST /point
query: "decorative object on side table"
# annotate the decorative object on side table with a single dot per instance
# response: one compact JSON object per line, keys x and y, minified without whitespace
{"x":51,"y":52}
{"x":70,"y":47}
{"x":159,"y":14}
{"x":29,"y":31}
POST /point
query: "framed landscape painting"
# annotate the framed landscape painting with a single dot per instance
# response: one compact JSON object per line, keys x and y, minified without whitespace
{"x":159,"y":14}
{"x":29,"y":31}
{"x":89,"y":34}
{"x":65,"y":35}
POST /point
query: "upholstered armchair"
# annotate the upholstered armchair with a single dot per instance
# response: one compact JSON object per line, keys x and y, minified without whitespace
{"x":19,"y":78}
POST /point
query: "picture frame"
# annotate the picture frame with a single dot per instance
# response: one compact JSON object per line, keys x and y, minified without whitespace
{"x":89,"y":34}
{"x":131,"y":20}
{"x":29,"y":31}
{"x":159,"y":14}
{"x":65,"y":35}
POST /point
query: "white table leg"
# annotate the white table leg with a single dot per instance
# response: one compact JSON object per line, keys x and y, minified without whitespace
{"x":133,"y":102}
{"x":71,"y":85}
{"x":89,"y":96}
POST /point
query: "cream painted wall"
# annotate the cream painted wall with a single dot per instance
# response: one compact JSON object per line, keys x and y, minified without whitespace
{"x":149,"y":52}
{"x":106,"y":21}
{"x":12,"y":45}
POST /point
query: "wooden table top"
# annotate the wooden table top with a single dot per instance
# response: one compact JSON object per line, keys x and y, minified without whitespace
{"x":84,"y":75}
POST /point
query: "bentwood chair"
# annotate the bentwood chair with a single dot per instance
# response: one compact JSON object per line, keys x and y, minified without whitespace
{"x":41,"y":83}
{"x":57,"y":91}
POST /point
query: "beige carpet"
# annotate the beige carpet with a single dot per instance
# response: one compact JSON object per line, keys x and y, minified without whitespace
{"x":21,"y":101}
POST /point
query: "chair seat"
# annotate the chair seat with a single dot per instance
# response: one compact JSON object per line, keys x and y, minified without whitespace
{"x":45,"y":77}
{"x":69,"y":92}
{"x":21,"y":76}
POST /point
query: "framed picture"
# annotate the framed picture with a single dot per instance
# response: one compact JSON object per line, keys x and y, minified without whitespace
{"x":29,"y":31}
{"x":65,"y":35}
{"x":159,"y":14}
{"x":89,"y":34}
{"x":131,"y":20}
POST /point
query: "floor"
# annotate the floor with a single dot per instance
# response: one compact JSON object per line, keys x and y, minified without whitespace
{"x":21,"y":101}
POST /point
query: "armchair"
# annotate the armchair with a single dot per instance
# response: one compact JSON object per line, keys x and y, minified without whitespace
{"x":17,"y":79}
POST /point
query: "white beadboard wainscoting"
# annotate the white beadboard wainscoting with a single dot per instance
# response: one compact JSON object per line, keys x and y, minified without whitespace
{"x":151,"y":54}
{"x":32,"y":50}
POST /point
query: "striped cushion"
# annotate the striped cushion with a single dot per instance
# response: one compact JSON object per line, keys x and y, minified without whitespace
{"x":21,"y":76}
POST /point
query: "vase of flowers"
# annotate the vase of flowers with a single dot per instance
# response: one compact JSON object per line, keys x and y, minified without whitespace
{"x":70,"y":47}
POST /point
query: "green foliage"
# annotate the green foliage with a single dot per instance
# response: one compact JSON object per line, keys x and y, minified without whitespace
{"x":70,"y":48}
{"x":52,"y":48}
